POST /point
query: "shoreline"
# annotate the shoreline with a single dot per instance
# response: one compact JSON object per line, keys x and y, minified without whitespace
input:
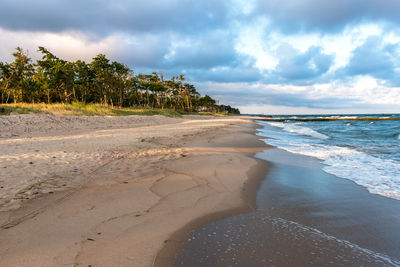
{"x":167,"y":254}
{"x":340,"y":208}
{"x":133,"y":196}
{"x":305,"y":216}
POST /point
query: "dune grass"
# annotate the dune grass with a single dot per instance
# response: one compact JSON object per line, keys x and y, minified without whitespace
{"x":79,"y":109}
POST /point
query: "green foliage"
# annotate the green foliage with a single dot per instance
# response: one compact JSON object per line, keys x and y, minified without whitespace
{"x":102,"y":82}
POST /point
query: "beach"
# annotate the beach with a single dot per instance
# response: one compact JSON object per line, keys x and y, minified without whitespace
{"x":199,"y":133}
{"x":192,"y":191}
{"x":306,"y":214}
{"x":103,"y":191}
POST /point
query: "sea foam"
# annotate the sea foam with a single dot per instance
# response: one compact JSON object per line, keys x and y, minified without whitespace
{"x":296,"y":128}
{"x":378,"y":175}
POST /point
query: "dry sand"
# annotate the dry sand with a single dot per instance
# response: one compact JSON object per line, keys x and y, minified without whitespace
{"x":111,"y":191}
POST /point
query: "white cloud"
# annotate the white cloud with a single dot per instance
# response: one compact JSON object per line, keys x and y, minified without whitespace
{"x":286,"y":110}
{"x":259,"y":40}
{"x":343,"y":44}
{"x":250,"y":42}
{"x":364,"y":94}
{"x":279,"y":110}
{"x":245,"y":7}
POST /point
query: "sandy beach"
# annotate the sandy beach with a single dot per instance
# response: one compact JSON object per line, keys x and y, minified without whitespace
{"x":111,"y":191}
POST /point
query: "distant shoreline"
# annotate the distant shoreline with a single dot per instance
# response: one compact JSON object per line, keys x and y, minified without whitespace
{"x":341,"y":117}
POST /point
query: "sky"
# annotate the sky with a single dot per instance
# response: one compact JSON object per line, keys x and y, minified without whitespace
{"x":263,"y":56}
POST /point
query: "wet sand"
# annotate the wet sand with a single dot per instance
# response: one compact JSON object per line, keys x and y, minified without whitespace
{"x":305,"y":217}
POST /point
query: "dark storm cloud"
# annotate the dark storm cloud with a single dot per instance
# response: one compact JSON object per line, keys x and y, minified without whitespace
{"x":227,"y":74}
{"x":152,"y":31}
{"x":105,"y":16}
{"x":373,"y":58}
{"x":235,"y":73}
{"x":142,"y":50}
{"x":294,"y":65}
{"x":171,"y":51}
{"x":327,"y":15}
{"x":209,"y":49}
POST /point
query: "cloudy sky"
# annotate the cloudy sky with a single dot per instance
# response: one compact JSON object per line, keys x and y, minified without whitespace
{"x":263,"y":56}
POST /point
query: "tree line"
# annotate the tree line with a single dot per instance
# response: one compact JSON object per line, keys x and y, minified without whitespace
{"x":54,"y":80}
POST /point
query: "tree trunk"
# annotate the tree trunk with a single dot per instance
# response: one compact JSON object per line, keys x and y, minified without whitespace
{"x":20,"y":95}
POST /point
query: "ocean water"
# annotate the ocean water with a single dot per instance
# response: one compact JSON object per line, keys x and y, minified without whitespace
{"x":362,"y":148}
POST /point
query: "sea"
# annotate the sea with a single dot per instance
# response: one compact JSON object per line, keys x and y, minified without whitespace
{"x":361,"y":148}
